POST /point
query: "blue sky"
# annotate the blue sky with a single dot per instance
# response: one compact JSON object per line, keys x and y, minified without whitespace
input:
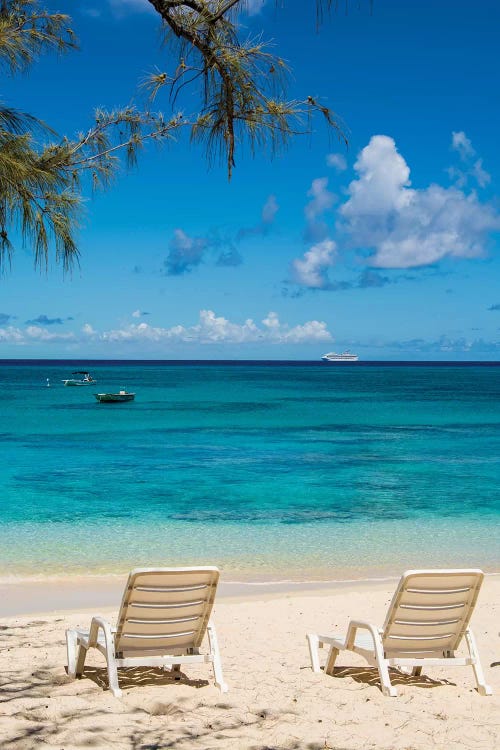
{"x":389,"y":248}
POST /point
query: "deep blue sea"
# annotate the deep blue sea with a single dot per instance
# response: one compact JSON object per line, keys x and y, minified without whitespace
{"x":280,"y":470}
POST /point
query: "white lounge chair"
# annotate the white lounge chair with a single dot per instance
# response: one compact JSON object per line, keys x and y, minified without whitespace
{"x":163,"y":618}
{"x":426,"y":621}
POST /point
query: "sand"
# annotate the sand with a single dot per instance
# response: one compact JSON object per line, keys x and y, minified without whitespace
{"x":274,"y":701}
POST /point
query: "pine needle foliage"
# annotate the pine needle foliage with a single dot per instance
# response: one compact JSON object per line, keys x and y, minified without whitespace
{"x":241,"y":86}
{"x":42,"y":177}
{"x":34,"y":193}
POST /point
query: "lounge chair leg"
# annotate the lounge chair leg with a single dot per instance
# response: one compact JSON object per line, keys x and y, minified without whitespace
{"x":176,"y":668}
{"x":332,"y":657}
{"x":482,"y":687}
{"x":113,"y":676}
{"x":71,"y":641}
{"x":385,"y":680}
{"x":313,"y":642}
{"x":216,"y":660}
{"x":80,"y":662}
{"x":416,"y":671}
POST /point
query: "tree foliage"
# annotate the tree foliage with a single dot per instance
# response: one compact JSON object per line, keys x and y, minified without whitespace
{"x":242,"y":93}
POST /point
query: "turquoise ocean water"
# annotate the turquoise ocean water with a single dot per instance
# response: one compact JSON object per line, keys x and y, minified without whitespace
{"x":270,"y":470}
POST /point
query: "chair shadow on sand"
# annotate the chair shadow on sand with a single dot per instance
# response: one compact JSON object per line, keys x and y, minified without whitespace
{"x":134,"y":677}
{"x":370,"y":676}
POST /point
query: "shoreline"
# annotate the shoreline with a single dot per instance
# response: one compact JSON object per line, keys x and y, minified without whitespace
{"x":44,"y":595}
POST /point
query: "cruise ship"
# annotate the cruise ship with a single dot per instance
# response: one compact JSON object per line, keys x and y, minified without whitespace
{"x":344,"y":357}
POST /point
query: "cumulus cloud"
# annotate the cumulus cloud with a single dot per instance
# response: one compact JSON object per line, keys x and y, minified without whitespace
{"x":139,"y":313}
{"x":33,"y":334}
{"x":338,"y":161}
{"x":209,"y":329}
{"x":38,"y":333}
{"x":405,"y":227}
{"x":312,"y":269}
{"x":214,"y":329}
{"x":11,"y":334}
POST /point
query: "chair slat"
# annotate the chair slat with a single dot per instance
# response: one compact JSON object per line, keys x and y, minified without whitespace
{"x":149,"y":598}
{"x":420,"y":596}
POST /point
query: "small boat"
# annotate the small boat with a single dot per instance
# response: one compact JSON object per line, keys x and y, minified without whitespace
{"x":344,"y":357}
{"x":108,"y":398}
{"x":86,"y":380}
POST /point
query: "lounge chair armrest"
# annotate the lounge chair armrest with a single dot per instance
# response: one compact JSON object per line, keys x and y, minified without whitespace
{"x":355,"y":625}
{"x":100,"y":623}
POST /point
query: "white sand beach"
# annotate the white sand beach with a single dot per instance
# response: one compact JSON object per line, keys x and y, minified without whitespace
{"x":274,"y":700}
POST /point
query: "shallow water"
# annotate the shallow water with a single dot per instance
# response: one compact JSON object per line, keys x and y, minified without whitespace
{"x":301,"y":469}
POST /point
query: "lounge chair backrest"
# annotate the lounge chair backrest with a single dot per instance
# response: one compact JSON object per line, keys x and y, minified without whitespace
{"x":430,"y":611}
{"x":165,"y":610}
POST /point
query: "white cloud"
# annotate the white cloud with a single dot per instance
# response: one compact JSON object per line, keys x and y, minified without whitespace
{"x":481,"y":176}
{"x":33,"y":334}
{"x":211,"y":329}
{"x":214,"y":329}
{"x":218,"y":329}
{"x":406,"y":227}
{"x":12,"y":334}
{"x":476,"y":171}
{"x":313,"y":330}
{"x":311,"y":270}
{"x":321,"y":201}
{"x":272,"y":322}
{"x":321,"y":198}
{"x":37,"y":333}
{"x":462,"y":144}
{"x":338,"y":161}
